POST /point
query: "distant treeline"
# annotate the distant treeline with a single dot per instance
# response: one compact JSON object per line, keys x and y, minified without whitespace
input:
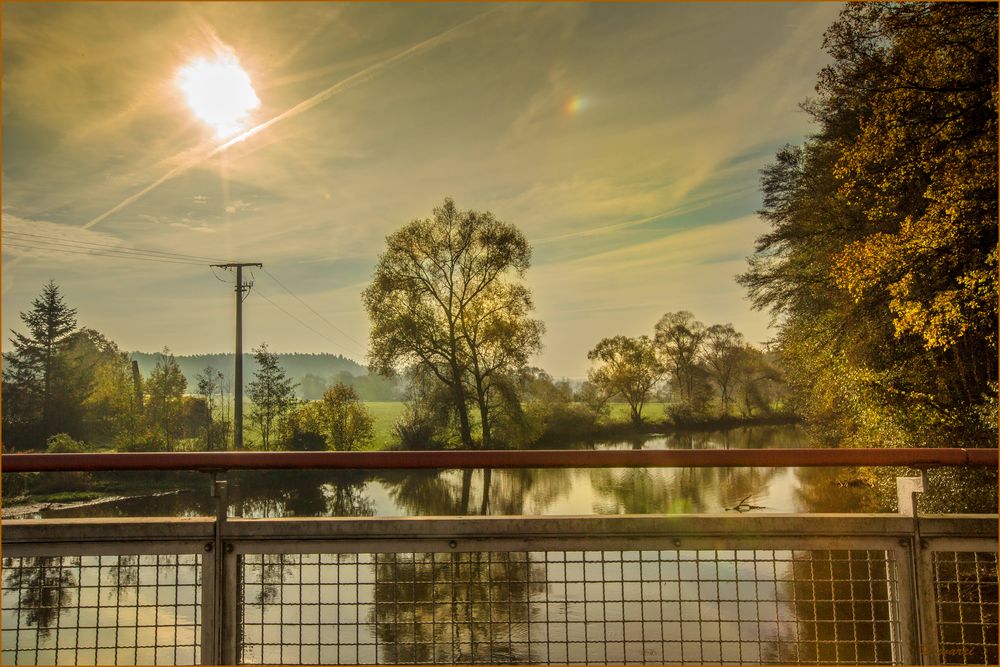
{"x":313,"y":372}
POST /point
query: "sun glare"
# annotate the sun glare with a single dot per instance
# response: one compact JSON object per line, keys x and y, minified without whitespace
{"x":219,"y":92}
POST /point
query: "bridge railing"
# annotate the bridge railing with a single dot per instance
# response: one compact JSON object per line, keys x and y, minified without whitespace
{"x":734,"y":588}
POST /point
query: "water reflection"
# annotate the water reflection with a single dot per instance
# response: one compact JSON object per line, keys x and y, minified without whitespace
{"x":557,"y":606}
{"x":571,"y":491}
{"x":300,"y":493}
{"x":102,"y":610}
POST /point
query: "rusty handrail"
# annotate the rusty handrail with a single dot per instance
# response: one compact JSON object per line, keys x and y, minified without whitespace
{"x":453,"y":459}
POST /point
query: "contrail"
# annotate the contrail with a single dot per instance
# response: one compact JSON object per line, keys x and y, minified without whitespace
{"x":305,"y":105}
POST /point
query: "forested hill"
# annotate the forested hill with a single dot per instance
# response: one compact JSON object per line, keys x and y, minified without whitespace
{"x":296,"y":365}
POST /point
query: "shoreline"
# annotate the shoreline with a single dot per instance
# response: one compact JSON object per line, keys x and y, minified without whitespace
{"x":654,"y":428}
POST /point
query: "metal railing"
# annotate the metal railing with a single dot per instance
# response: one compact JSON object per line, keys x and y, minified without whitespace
{"x":656,"y":589}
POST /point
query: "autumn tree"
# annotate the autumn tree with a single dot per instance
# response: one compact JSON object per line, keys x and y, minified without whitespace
{"x":679,"y":339}
{"x":165,"y":392}
{"x":881,"y":262}
{"x":446,"y":296}
{"x":271,"y":394}
{"x":626,"y":367}
{"x":103,"y":388}
{"x":343,"y":422}
{"x":721,"y":355}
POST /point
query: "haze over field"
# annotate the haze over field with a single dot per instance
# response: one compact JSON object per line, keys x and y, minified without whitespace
{"x":625,"y":141}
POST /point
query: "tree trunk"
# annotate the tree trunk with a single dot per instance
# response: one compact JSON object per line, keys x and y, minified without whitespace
{"x":466,"y":488}
{"x":484,"y":415}
{"x":462,"y":406}
{"x":484,"y":508}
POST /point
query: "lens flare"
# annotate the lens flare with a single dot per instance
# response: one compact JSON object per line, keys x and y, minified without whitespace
{"x":573,"y":105}
{"x":219,"y":92}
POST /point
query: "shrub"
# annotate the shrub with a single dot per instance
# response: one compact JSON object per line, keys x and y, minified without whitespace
{"x":306,"y":441}
{"x":61,"y":443}
{"x":148,"y":442}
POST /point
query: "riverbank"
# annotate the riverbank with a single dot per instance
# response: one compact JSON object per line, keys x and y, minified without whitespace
{"x":614,"y":429}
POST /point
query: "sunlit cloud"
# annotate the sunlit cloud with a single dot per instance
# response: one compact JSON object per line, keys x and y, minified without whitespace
{"x":608,"y":148}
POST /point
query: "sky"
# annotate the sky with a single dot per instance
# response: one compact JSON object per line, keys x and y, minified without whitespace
{"x":624,"y":140}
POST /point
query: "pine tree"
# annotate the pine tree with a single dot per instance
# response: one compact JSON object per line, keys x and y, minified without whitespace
{"x":33,"y":374}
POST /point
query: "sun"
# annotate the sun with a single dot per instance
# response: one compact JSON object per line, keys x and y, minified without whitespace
{"x":219,"y":92}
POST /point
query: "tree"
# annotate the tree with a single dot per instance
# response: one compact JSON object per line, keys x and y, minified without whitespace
{"x":501,"y":337}
{"x":271,"y":393}
{"x":881,"y":263}
{"x":723,"y":346}
{"x":753,"y":378}
{"x":102,"y":388}
{"x":627,"y":367}
{"x":445,"y":296}
{"x":165,"y":390}
{"x":679,"y":337}
{"x":34,"y":376}
{"x":339,"y":417}
{"x":210,"y":383}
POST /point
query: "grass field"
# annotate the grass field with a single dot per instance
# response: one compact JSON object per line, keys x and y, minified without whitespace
{"x":651,"y":412}
{"x":386,"y":414}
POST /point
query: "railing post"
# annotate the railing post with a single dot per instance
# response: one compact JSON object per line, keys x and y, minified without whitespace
{"x":220,"y":495}
{"x":921,"y":580}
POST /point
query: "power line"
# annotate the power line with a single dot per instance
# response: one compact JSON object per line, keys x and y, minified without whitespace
{"x":94,"y":253}
{"x":318,"y":333}
{"x":65,"y":240}
{"x":335,"y":327}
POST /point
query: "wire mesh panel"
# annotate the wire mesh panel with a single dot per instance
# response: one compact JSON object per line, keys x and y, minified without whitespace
{"x":571,"y":607}
{"x":122,"y":609}
{"x":965,"y":596}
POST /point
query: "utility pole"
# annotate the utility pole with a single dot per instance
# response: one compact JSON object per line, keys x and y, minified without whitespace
{"x":241,"y":288}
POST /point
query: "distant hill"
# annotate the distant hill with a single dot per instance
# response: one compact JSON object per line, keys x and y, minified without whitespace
{"x":297,"y":365}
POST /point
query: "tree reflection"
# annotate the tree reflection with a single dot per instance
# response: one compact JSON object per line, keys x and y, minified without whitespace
{"x":486,"y":491}
{"x":45,"y":588}
{"x":301,"y":493}
{"x":675,"y":490}
{"x":843,"y":605}
{"x":454,"y":608}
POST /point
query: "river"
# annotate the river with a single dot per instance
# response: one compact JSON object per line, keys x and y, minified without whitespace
{"x":571,"y":491}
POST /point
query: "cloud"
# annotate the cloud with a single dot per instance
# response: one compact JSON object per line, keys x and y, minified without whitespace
{"x":688,"y":100}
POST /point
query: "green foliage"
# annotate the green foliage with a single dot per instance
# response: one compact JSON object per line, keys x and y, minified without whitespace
{"x":626,"y":367}
{"x":164,"y":410}
{"x":37,"y":401}
{"x":306,"y":441}
{"x":61,"y":443}
{"x":339,"y":418}
{"x":722,"y":356}
{"x":271,"y":394}
{"x":446,"y":296}
{"x":881,"y":263}
{"x":679,"y":338}
{"x":214,"y":390}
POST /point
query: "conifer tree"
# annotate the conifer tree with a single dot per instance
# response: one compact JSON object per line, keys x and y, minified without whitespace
{"x":33,"y":377}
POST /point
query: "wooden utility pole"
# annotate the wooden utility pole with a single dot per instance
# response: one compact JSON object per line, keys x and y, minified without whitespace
{"x":241,"y":288}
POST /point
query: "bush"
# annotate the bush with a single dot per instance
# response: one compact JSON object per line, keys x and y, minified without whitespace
{"x":306,"y":441}
{"x":416,"y":433}
{"x":682,"y":414}
{"x":61,"y":443}
{"x":148,"y":442}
